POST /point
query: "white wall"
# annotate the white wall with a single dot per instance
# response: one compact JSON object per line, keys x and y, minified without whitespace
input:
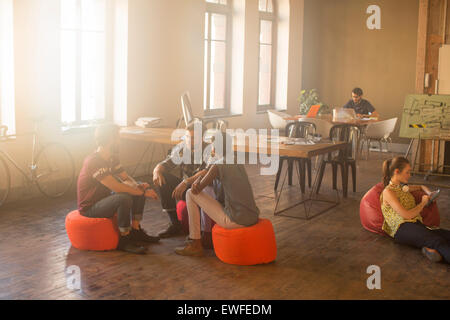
{"x":166,"y":59}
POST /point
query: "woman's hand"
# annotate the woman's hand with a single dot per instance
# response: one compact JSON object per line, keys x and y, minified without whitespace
{"x":425,"y":199}
{"x":426,"y":190}
{"x":177,"y":194}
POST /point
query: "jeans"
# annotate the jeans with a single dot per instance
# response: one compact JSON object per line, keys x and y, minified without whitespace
{"x":165,"y":192}
{"x":419,"y":236}
{"x":169,"y":204}
{"x":126,"y":206}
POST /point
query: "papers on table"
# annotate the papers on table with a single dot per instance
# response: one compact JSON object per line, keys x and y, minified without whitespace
{"x":298,"y":142}
{"x":148,"y":122}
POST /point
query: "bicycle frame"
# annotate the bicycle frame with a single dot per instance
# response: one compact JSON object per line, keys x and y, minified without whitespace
{"x":29,"y":175}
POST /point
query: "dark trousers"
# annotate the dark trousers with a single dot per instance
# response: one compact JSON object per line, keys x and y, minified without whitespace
{"x":419,"y":236}
{"x":168,"y":203}
{"x":127,"y":207}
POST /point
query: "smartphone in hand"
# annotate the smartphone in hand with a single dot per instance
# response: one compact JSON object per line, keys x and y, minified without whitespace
{"x":433,"y":196}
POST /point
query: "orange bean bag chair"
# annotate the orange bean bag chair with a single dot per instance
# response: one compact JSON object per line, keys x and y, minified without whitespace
{"x":245,"y":246}
{"x":98,"y":234}
{"x":372,"y":218}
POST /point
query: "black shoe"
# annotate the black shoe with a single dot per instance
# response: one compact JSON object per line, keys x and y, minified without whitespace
{"x":172,"y":231}
{"x":126,"y":244}
{"x":141,"y":236}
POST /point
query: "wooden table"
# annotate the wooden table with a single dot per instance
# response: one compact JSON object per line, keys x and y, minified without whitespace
{"x":164,"y":136}
{"x":361,"y":124}
{"x":355,"y":122}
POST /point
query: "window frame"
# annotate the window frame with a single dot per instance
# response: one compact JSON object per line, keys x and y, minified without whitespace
{"x":8,"y":51}
{"x":268,"y":16}
{"x":223,"y":9}
{"x":107,"y":65}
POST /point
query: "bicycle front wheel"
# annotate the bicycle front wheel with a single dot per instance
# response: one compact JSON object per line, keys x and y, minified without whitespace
{"x":55,"y":170}
{"x":5,"y":181}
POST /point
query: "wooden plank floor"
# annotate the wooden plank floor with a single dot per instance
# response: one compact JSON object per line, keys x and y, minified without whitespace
{"x":324,"y":258}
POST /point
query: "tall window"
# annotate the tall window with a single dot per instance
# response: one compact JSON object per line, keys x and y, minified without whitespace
{"x":267,"y":26}
{"x":217,"y":56}
{"x":7,"y":104}
{"x":83,"y":60}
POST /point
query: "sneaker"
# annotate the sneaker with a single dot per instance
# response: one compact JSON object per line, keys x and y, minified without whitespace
{"x":190,"y":250}
{"x":141,"y":236}
{"x":126,"y":244}
{"x":172,"y":231}
{"x":431,"y":254}
{"x":207,"y":242}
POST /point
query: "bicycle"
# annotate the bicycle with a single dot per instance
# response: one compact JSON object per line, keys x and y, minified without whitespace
{"x":52,"y":169}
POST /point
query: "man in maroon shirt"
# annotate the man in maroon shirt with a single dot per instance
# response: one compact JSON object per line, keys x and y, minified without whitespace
{"x":104,"y":189}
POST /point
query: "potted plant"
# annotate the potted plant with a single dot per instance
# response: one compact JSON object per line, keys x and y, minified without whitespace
{"x":311,"y":98}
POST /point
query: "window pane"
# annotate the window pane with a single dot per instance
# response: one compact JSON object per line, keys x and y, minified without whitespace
{"x":92,"y":76}
{"x":263,"y":5}
{"x":219,"y":27}
{"x":68,"y":75}
{"x":69,"y":14}
{"x":266,"y":32}
{"x":93,"y":15}
{"x":269,"y":6}
{"x":218,"y":79}
{"x":266,"y":6}
{"x":207,"y":25}
{"x":205,"y":74}
{"x":265,"y":73}
{"x":7,"y":96}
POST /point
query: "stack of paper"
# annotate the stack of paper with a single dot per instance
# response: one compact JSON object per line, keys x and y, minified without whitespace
{"x":148,"y":122}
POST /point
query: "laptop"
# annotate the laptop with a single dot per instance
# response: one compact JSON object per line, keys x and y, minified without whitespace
{"x":313,"y":111}
{"x":343,"y":114}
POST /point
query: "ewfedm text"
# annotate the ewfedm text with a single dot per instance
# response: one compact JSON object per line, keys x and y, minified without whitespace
{"x":224,"y":310}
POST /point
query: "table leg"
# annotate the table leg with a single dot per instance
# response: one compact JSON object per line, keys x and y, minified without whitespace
{"x":151,"y":144}
{"x":307,"y":203}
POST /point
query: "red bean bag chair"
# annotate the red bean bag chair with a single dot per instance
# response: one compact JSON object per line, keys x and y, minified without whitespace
{"x":372,"y":218}
{"x":182,"y":215}
{"x":245,"y":246}
{"x":98,"y":234}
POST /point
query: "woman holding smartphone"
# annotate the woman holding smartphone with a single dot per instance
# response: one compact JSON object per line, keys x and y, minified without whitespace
{"x":402,"y":219}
